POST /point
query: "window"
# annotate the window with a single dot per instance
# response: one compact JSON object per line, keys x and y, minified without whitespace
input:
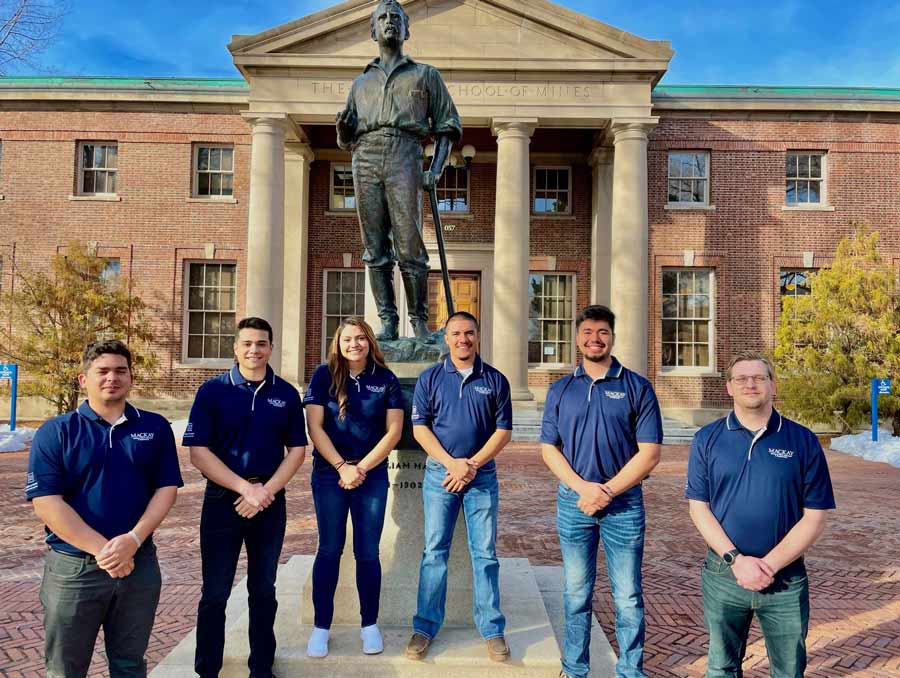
{"x":550,"y":318}
{"x":97,"y":168}
{"x":805,"y":179}
{"x":342,"y":196}
{"x":213,"y":171}
{"x":111,"y":271}
{"x":453,"y":190}
{"x":345,"y":295}
{"x":689,"y":178}
{"x":211,"y":300}
{"x":687,"y":318}
{"x":552,"y":190}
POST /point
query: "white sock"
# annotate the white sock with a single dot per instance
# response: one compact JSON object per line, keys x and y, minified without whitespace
{"x":318,"y":643}
{"x":372,"y":642}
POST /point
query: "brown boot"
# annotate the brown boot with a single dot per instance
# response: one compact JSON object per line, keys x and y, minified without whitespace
{"x":497,"y":649}
{"x":417,"y":647}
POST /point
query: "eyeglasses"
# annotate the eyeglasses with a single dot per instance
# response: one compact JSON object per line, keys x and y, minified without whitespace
{"x":752,"y":378}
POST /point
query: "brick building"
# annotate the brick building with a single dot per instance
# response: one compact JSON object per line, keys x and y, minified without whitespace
{"x":689,"y":210}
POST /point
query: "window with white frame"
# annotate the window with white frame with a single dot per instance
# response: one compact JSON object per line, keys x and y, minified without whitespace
{"x":453,"y":190}
{"x":688,"y":178}
{"x":97,"y":167}
{"x":552,"y":190}
{"x":550,"y":318}
{"x":210,"y":310}
{"x":805,"y":178}
{"x":345,"y":295}
{"x":687,"y":303}
{"x":213,"y":171}
{"x":342,"y":195}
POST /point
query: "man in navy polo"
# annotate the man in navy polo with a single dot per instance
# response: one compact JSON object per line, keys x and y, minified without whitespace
{"x":101,"y":479}
{"x":758,"y":486}
{"x":462,"y":418}
{"x":601,"y":436}
{"x":240,"y":424}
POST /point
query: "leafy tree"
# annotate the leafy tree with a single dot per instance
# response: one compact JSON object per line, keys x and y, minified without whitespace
{"x":832,"y":342}
{"x":55,"y":314}
{"x":27,"y":27}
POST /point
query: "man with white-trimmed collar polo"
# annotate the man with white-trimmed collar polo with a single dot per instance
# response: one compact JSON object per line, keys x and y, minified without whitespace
{"x":462,"y":418}
{"x":101,"y":479}
{"x":601,"y":436}
{"x":240,"y":424}
{"x":758,"y":488}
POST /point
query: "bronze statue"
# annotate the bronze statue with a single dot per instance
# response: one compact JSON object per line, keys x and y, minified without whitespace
{"x":391,"y":108}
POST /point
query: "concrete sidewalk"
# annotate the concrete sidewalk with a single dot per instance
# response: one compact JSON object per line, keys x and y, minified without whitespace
{"x":854,"y":573}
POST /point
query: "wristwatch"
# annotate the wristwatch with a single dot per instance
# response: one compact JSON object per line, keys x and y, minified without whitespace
{"x":729,"y":557}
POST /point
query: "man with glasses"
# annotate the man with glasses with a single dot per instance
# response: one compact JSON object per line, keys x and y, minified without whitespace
{"x":601,"y":436}
{"x":758,"y":488}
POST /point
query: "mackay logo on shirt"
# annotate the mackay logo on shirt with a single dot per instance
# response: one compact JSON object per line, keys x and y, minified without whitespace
{"x":142,"y":437}
{"x":276,"y":402}
{"x":615,"y":395}
{"x":483,"y":390}
{"x":189,"y":431}
{"x":781,"y":454}
{"x":376,"y":389}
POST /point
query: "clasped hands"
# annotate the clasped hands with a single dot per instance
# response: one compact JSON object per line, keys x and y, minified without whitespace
{"x":351,"y":476}
{"x":460,"y":472}
{"x":117,"y":556}
{"x":753,"y":574}
{"x":593,"y":497}
{"x":254,"y":498}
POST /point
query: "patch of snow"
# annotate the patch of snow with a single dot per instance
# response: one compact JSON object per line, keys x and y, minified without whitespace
{"x":15,"y":441}
{"x":886,"y":450}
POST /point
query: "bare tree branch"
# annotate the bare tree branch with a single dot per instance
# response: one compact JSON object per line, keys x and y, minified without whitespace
{"x":28,"y":27}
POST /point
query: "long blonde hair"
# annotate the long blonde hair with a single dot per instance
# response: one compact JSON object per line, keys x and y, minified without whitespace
{"x":338,"y":366}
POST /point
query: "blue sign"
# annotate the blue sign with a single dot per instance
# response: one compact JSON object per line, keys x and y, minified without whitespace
{"x":879,"y":387}
{"x":11,"y":371}
{"x":884,"y":386}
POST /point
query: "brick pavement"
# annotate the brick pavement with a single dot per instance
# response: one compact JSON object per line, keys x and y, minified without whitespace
{"x":854,"y":630}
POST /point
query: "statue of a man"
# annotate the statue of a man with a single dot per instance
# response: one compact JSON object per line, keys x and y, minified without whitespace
{"x":391,"y":108}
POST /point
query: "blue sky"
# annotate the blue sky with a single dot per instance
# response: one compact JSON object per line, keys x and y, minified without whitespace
{"x":764,"y":42}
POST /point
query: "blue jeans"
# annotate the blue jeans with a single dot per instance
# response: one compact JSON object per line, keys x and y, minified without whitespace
{"x":366,"y":505}
{"x":621,"y":528}
{"x":222,"y":533}
{"x":479,"y":501}
{"x":782,"y":609}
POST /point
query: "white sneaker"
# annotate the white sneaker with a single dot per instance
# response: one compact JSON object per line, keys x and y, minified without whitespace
{"x":372,"y":642}
{"x":318,"y":643}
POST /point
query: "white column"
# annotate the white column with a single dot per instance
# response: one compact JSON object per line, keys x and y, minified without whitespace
{"x":511,"y":238}
{"x":297,"y":161}
{"x":601,"y":223}
{"x":265,"y":232}
{"x":629,"y":242}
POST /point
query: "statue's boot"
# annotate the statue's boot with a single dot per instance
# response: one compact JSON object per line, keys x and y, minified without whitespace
{"x":382,"y":281}
{"x":416,"y":286}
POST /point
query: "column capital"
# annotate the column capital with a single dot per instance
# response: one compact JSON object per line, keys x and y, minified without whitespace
{"x":601,"y":155}
{"x":632,"y":129}
{"x":271,"y":123}
{"x":301,"y":150}
{"x":506,"y":128}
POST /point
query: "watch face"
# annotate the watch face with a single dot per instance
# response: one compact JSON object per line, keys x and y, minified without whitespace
{"x":728,"y":558}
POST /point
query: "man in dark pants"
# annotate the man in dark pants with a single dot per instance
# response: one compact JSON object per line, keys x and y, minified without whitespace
{"x":239,"y":427}
{"x":759,"y":487}
{"x":101,"y":479}
{"x":392,"y":106}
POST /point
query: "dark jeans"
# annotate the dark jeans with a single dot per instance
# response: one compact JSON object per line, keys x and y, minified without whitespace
{"x":366,"y":506}
{"x":222,"y":532}
{"x":782,"y":610}
{"x":78,"y":598}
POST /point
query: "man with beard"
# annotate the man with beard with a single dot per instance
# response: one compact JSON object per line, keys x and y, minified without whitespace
{"x":601,"y":436}
{"x":758,"y":486}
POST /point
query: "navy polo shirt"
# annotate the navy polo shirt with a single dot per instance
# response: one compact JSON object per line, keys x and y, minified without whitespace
{"x":598,"y":423}
{"x":462,"y":413}
{"x":369,"y":396}
{"x":247,"y":425}
{"x":757,"y":484}
{"x":106,"y":472}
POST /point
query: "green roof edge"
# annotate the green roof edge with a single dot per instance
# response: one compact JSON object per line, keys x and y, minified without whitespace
{"x":63,"y":82}
{"x":762,"y":91}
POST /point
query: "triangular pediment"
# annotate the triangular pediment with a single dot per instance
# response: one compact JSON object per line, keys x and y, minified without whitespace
{"x":485,"y":30}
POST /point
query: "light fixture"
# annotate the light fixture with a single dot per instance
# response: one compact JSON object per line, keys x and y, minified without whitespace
{"x":468,"y":153}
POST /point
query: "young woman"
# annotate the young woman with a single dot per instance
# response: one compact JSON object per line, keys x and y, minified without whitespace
{"x":354,"y":411}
